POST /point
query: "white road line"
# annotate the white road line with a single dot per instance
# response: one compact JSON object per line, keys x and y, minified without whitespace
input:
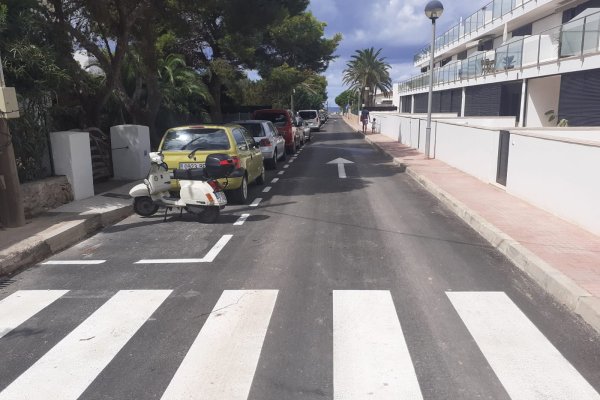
{"x":209,"y":257}
{"x":281,"y":173}
{"x":256,"y":202}
{"x":526,"y":363}
{"x":68,"y":368}
{"x":370,"y":357}
{"x":221,"y":363}
{"x":74,"y":262}
{"x":286,"y":166}
{"x":341,"y":171}
{"x":291,"y":160}
{"x":241,"y":219}
{"x":275,"y":180}
{"x":267,"y":189}
{"x":24,"y":304}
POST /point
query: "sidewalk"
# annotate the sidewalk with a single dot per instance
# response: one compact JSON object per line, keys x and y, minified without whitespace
{"x":561,"y":257}
{"x":61,"y":228}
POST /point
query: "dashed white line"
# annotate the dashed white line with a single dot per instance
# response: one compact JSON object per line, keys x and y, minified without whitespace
{"x":267,"y":189}
{"x":241,"y":219}
{"x":286,"y":166}
{"x":256,"y":202}
{"x":209,"y":257}
{"x":74,"y":262}
{"x":281,"y":173}
{"x":275,"y":180}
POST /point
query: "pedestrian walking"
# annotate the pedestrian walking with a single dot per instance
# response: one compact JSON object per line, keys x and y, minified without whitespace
{"x":364,"y":118}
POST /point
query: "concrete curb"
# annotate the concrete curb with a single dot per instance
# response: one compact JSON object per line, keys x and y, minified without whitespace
{"x":554,"y":282}
{"x":59,"y":237}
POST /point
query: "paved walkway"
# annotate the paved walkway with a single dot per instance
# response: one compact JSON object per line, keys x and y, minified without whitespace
{"x":563,"y":258}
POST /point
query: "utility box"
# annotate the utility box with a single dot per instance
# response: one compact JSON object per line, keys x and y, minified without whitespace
{"x":130,"y":148}
{"x":72,"y":157}
{"x":9,"y":107}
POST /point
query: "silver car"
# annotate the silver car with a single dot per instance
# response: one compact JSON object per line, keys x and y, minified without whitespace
{"x":303,"y":125}
{"x":312,"y":118}
{"x":272,"y":144}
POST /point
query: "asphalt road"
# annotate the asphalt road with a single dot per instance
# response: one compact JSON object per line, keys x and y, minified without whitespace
{"x":362,"y":287}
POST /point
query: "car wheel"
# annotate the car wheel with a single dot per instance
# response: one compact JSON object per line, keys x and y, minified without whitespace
{"x":260,"y":180}
{"x":273,"y":161}
{"x":240,"y":195}
{"x":283,"y":155}
{"x":144,"y":206}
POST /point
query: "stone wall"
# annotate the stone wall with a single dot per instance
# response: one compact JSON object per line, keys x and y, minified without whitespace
{"x":45,"y":194}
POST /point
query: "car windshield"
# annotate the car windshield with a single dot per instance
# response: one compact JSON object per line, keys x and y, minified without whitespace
{"x":278,"y":119}
{"x":308,"y":114}
{"x":196,"y":139}
{"x":255,"y":129}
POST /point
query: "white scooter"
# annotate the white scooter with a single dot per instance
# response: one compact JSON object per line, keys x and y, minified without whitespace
{"x":200,"y":193}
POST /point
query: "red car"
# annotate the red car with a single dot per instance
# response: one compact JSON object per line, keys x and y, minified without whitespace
{"x":285,"y":123}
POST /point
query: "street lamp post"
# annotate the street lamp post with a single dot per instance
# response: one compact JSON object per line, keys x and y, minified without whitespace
{"x":292,"y":100}
{"x":433,"y":10}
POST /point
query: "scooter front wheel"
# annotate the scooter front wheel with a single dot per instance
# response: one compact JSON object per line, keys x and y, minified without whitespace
{"x":144,"y":206}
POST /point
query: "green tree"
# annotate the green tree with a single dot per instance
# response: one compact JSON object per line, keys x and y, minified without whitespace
{"x":366,"y":69}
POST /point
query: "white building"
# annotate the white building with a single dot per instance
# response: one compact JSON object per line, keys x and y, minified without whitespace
{"x":522,"y":58}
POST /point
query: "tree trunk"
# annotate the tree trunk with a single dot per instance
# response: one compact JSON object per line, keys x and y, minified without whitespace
{"x":11,"y":203}
{"x":214,"y":86}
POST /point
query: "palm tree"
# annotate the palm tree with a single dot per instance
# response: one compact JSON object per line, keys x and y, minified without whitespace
{"x":367,"y":69}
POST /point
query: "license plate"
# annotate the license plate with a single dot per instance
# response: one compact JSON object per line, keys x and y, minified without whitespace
{"x":190,"y":165}
{"x":221,"y":197}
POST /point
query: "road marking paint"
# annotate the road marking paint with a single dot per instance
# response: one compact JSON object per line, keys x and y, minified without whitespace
{"x":291,"y":160}
{"x":24,"y":304}
{"x":209,"y":257}
{"x":340,"y":163}
{"x":71,"y":366}
{"x":221,"y":363}
{"x":286,"y":166}
{"x":241,"y":219}
{"x":281,"y":173}
{"x":256,"y":202}
{"x":267,"y":189}
{"x":74,"y":262}
{"x":526,"y":363}
{"x":275,"y":180}
{"x":342,"y":171}
{"x":370,"y":356}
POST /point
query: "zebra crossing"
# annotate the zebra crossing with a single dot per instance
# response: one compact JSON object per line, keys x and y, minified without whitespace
{"x":371,"y":358}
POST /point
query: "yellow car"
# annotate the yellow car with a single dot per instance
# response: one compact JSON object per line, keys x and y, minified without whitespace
{"x":187,"y":147}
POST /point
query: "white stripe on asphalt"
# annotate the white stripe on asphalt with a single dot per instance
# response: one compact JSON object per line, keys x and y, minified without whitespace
{"x":24,"y":304}
{"x":256,"y":202}
{"x":291,"y":161}
{"x":241,"y":219}
{"x":209,"y":257}
{"x":275,"y":180}
{"x":286,"y":166}
{"x":370,"y":357}
{"x":267,"y":189}
{"x":74,"y":262}
{"x":526,"y":363}
{"x":341,"y":171}
{"x":281,"y":173}
{"x":68,"y":368}
{"x":221,"y":363}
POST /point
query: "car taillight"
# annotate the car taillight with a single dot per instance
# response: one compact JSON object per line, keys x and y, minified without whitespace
{"x":237,"y":163}
{"x":215,"y":185}
{"x":264,"y":142}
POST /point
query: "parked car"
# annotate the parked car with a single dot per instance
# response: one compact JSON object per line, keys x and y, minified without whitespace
{"x":303,"y":125}
{"x":272,"y":143}
{"x":284,"y":122}
{"x":323,"y":116}
{"x":187,"y":147}
{"x":312,"y":119}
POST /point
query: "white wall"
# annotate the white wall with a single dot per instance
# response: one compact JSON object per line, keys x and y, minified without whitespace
{"x":542,"y":96}
{"x":73,"y":158}
{"x":557,"y":176}
{"x":569,"y":133}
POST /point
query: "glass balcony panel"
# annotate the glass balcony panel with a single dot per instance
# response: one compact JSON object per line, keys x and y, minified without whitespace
{"x":497,"y":9}
{"x":571,"y":38}
{"x":530,"y":50}
{"x":592,"y":30}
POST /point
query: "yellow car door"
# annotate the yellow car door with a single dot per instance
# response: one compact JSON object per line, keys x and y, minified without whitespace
{"x":256,"y":158}
{"x":244,"y":152}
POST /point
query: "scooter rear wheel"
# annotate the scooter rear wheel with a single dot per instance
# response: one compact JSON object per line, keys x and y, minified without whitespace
{"x":144,"y":206}
{"x":209,"y":215}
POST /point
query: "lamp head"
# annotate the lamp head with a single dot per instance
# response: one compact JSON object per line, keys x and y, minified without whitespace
{"x":434,"y":9}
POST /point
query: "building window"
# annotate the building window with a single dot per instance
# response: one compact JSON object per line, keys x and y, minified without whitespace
{"x":462,"y":55}
{"x":486,"y":45}
{"x":522,"y":31}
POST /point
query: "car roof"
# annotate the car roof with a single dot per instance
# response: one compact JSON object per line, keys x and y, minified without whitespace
{"x":199,"y":126}
{"x":250,"y":121}
{"x":273,"y":110}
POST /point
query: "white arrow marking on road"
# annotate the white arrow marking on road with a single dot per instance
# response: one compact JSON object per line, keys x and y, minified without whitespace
{"x":340,"y":163}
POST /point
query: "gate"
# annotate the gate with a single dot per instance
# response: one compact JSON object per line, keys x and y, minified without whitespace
{"x":101,"y":154}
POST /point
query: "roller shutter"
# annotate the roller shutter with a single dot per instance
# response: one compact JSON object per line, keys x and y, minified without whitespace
{"x":579,"y":101}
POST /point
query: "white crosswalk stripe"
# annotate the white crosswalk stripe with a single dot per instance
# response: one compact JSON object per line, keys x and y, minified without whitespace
{"x":370,"y":357}
{"x":24,"y":304}
{"x":70,"y":366}
{"x":221,"y":363}
{"x":526,"y":363}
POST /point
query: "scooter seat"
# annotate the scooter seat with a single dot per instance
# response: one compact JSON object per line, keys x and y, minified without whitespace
{"x":192,"y":174}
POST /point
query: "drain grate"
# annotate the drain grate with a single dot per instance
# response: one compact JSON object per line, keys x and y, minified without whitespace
{"x":117,"y":195}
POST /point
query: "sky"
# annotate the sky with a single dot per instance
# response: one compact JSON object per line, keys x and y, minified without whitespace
{"x":399,"y":27}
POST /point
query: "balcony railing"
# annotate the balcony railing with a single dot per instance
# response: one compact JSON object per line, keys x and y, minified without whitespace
{"x":480,"y":19}
{"x":574,"y":38}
